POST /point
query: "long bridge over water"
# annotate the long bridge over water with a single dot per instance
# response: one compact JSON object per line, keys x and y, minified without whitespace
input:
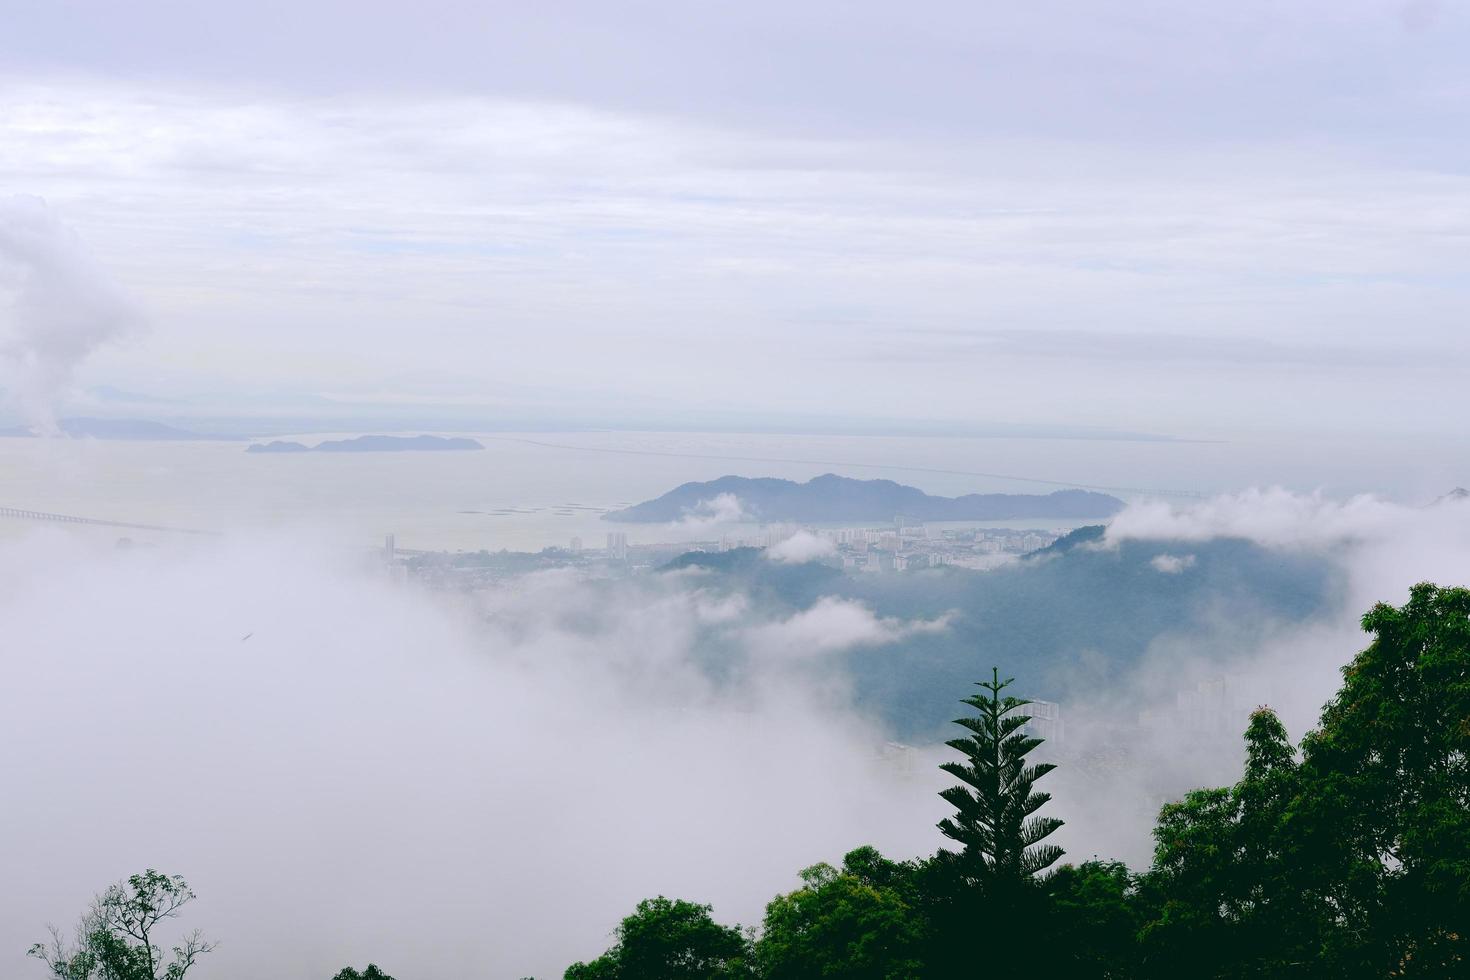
{"x":23,"y":514}
{"x":41,"y":515}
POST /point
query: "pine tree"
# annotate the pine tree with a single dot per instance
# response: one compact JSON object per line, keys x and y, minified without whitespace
{"x":995,"y":808}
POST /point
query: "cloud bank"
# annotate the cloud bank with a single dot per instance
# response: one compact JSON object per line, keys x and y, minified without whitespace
{"x":801,"y":547}
{"x":831,"y":624}
{"x":309,"y":743}
{"x":61,"y":308}
{"x":347,"y":770}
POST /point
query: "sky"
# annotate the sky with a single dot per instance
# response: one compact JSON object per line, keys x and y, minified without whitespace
{"x":1186,"y":219}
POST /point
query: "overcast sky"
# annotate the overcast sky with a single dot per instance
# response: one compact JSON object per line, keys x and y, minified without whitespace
{"x":1192,"y":218}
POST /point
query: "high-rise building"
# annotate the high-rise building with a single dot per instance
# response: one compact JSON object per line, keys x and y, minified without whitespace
{"x":576,"y":546}
{"x":617,"y":546}
{"x":1044,"y":720}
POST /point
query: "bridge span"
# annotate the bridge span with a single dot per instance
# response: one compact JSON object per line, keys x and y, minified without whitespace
{"x":40,"y":515}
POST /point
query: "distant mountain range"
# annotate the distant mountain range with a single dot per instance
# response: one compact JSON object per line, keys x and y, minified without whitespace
{"x":832,"y":498}
{"x":371,"y":444}
{"x":142,"y":429}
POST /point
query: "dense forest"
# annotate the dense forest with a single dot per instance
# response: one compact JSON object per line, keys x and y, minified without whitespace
{"x":1345,"y":856}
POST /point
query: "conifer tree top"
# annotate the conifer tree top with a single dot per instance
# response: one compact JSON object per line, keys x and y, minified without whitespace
{"x":995,"y":821}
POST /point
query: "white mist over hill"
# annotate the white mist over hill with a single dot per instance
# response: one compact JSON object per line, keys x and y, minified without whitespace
{"x":1186,"y":704}
{"x":347,"y":769}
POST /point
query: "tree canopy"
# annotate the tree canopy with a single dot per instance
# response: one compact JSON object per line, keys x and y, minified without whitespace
{"x":371,"y":973}
{"x":671,"y":939}
{"x":117,"y":938}
{"x":860,"y":922}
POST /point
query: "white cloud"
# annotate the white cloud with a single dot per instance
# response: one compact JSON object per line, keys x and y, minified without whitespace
{"x":831,"y":624}
{"x":62,"y":307}
{"x":1172,"y":564}
{"x":536,"y":760}
{"x":801,"y":547}
{"x":724,"y":508}
{"x":714,"y":610}
{"x":709,"y":517}
{"x":1275,"y":517}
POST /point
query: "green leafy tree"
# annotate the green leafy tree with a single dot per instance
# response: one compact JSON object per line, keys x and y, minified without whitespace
{"x":995,"y":819}
{"x":371,"y":973}
{"x":1385,"y":814}
{"x":1354,"y":862}
{"x":860,"y":923}
{"x":1225,"y":894}
{"x":670,"y":939}
{"x":118,"y":937}
{"x":1193,"y":886}
{"x":1095,"y":920}
{"x":1279,"y":923}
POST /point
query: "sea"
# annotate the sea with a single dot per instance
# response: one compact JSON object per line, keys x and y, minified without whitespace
{"x":530,"y":490}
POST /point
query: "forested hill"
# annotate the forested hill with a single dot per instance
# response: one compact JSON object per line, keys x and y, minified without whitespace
{"x":1059,"y":620}
{"x":830,"y":498}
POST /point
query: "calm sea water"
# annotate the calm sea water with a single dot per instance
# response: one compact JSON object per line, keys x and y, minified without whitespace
{"x":526,"y":491}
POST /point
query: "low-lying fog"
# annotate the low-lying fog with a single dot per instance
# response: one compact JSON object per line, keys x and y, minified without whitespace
{"x":347,"y":770}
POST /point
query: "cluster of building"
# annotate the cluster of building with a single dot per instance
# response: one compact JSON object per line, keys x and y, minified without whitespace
{"x":894,"y":548}
{"x":903,"y":546}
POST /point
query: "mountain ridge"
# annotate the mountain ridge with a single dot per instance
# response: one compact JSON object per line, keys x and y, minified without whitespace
{"x":830,"y":498}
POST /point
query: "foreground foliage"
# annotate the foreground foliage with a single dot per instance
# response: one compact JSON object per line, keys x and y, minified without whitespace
{"x":861,"y":921}
{"x":673,"y":939}
{"x":117,"y":937}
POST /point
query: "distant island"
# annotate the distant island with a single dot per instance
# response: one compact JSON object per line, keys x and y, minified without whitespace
{"x":141,"y":429}
{"x":831,"y":498}
{"x":370,"y":444}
